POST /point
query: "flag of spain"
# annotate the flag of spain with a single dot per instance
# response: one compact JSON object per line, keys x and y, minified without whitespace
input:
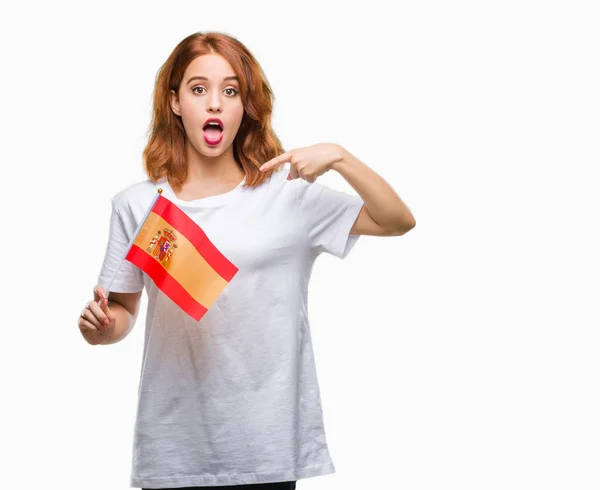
{"x":176,"y":253}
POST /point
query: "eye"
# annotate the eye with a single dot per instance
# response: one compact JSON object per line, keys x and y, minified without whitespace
{"x":200,"y":86}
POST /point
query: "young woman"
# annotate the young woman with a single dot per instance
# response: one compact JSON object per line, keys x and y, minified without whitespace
{"x":233,"y":400}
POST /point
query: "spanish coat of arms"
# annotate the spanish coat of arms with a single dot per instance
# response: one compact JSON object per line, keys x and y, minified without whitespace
{"x":162,"y":247}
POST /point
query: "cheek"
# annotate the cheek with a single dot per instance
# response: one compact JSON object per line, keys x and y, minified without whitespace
{"x":190,"y":113}
{"x":192,"y":124}
{"x":236,"y":121}
{"x":190,"y":127}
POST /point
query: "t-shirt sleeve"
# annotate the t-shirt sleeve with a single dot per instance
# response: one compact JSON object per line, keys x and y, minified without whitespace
{"x":328,"y":215}
{"x":129,"y":278}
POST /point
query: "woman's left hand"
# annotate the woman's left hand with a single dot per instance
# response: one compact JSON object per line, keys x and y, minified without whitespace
{"x":308,"y":162}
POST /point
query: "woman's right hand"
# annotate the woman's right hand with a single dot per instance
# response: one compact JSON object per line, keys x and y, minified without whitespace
{"x":97,"y":323}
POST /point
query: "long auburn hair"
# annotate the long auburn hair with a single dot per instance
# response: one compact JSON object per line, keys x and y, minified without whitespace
{"x":255,"y":142}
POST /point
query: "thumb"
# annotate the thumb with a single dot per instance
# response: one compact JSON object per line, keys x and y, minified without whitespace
{"x":107,"y":311}
{"x":99,"y":295}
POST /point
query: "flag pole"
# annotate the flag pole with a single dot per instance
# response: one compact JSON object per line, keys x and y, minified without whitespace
{"x":142,"y":221}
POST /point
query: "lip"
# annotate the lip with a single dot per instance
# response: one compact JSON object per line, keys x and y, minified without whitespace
{"x":213,"y":119}
{"x":213,"y":142}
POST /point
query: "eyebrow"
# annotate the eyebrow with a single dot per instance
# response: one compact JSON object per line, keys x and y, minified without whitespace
{"x":233,"y":77}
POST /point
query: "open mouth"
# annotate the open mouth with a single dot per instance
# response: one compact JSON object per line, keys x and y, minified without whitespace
{"x":213,"y":130}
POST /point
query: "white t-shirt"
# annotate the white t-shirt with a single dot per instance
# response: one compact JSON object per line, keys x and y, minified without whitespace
{"x":234,"y":399}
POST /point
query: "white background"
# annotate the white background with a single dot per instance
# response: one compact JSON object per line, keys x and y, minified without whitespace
{"x":462,"y":355}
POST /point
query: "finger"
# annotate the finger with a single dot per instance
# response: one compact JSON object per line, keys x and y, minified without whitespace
{"x":284,"y":157}
{"x":89,"y":319}
{"x":86,"y":326}
{"x":293,"y":173}
{"x":107,"y":311}
{"x":98,"y":313}
{"x":99,"y":294}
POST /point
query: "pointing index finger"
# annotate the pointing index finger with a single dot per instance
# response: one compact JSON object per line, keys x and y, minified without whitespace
{"x":275,"y":161}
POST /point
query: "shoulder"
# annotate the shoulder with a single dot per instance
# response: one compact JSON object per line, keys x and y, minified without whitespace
{"x":136,"y":196}
{"x":303,"y":190}
{"x":280,"y":173}
{"x":277,"y":183}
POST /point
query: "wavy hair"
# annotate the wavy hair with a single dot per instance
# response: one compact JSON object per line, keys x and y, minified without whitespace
{"x":255,"y":142}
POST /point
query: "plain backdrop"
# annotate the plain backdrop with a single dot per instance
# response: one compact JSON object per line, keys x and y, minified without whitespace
{"x":462,"y":355}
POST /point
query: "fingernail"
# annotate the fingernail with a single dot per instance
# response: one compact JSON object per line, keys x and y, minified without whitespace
{"x":106,"y":321}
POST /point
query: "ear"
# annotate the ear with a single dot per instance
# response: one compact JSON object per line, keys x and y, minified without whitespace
{"x":174,"y":101}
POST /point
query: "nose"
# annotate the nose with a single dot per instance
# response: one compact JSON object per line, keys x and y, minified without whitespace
{"x":214,"y":104}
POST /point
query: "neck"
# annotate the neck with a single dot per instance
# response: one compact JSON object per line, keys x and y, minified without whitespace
{"x":220,"y":168}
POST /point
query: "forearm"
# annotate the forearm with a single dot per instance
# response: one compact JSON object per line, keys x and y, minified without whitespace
{"x":123,"y":324}
{"x":381,"y":201}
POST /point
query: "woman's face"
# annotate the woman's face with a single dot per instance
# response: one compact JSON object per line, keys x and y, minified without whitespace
{"x":207,"y":91}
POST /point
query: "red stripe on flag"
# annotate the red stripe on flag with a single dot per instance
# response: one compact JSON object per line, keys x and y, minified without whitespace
{"x":165,"y":282}
{"x":196,"y":236}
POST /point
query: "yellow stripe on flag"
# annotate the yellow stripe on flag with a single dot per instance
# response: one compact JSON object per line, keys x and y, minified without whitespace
{"x":186,"y":265}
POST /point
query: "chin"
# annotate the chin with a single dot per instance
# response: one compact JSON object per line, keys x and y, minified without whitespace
{"x":222,"y":147}
{"x":203,"y":148}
